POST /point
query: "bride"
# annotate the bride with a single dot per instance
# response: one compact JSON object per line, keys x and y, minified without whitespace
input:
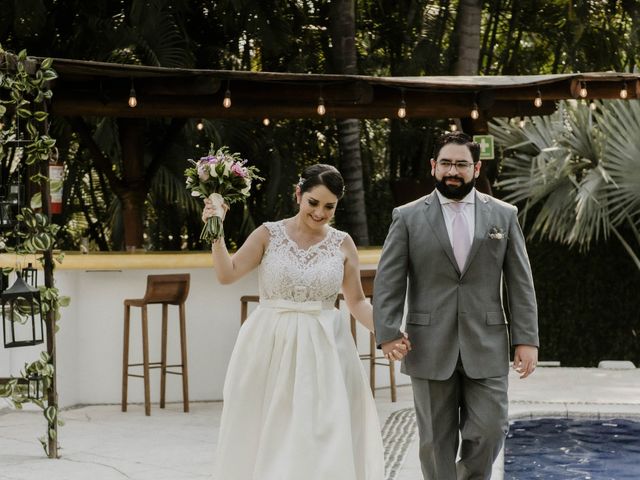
{"x":297,"y":404}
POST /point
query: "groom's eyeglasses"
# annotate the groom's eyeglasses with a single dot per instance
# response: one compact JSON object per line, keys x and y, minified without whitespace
{"x":460,"y":166}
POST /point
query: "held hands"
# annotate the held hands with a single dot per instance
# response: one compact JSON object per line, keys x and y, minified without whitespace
{"x":214,"y":206}
{"x":525,"y":359}
{"x":397,"y":349}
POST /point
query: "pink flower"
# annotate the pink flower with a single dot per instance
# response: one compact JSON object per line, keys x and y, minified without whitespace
{"x":238,"y":170}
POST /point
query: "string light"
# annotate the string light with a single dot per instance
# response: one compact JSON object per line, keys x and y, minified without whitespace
{"x":452,"y":125}
{"x":402,"y":110}
{"x":592,"y":105}
{"x":521,"y":123}
{"x":266,"y":121}
{"x":200,"y":124}
{"x":226,"y":103}
{"x":538,"y":100}
{"x":475,"y":113}
{"x":133,"y":100}
{"x":321,"y":108}
{"x":583,"y":90}
{"x":624,"y":93}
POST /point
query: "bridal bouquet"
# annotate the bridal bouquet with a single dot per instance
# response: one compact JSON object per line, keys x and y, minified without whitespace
{"x":223,"y":178}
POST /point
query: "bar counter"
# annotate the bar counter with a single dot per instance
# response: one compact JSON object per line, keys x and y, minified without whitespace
{"x":105,"y":261}
{"x":89,"y":343}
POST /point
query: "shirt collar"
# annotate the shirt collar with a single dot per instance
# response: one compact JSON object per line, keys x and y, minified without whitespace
{"x":469,"y":198}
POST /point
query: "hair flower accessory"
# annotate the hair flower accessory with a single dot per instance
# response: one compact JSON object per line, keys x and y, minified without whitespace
{"x":497,"y":233}
{"x":223,"y":178}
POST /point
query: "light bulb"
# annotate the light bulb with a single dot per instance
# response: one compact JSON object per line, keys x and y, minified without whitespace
{"x":452,"y":126}
{"x":592,"y":105}
{"x":133,"y":101}
{"x":266,"y":121}
{"x":624,"y":93}
{"x":521,"y":123}
{"x":583,"y":90}
{"x":321,"y":108}
{"x":538,"y":100}
{"x":226,"y":103}
{"x":475,"y":114}
{"x":200,"y":125}
{"x":402,"y":111}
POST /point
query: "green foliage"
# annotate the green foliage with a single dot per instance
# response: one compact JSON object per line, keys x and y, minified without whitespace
{"x":576,"y":173}
{"x":587,"y":303}
{"x":28,"y":86}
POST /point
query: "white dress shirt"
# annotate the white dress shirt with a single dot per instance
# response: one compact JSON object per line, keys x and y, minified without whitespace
{"x":468,"y":210}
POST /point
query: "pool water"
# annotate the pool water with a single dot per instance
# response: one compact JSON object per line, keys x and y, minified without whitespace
{"x":563,"y":449}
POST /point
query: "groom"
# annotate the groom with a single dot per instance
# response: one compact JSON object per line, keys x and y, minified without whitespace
{"x":448,"y":255}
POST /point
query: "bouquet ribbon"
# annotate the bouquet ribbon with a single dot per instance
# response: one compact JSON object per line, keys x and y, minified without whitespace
{"x":217,"y":203}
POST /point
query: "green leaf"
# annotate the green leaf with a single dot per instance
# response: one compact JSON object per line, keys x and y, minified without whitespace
{"x":46,"y":63}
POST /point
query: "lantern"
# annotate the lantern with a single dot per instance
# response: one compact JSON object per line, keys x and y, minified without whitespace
{"x":30,"y":275}
{"x":11,"y":198}
{"x":35,"y":386}
{"x":21,"y":314}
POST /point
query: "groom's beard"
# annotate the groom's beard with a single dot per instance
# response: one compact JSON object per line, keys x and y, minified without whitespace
{"x":453,"y":192}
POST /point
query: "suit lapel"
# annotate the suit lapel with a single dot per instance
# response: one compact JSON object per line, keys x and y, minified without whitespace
{"x":481,"y":227}
{"x":436,"y":220}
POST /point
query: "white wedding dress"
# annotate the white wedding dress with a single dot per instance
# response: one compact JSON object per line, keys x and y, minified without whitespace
{"x":297,"y":404}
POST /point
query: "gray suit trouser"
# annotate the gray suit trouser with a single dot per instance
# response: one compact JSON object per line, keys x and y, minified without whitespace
{"x":473,"y":410}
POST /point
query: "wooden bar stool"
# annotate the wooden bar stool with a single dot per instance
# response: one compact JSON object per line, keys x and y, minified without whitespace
{"x":367,"y":277}
{"x":244,"y":303}
{"x":166,"y":290}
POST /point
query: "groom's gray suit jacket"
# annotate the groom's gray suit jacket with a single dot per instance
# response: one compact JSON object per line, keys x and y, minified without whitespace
{"x":455,"y":313}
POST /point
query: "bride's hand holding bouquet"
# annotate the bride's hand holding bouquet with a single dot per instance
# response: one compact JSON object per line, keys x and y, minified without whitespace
{"x":220,"y":179}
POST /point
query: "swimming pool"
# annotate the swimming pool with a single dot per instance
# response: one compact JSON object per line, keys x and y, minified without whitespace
{"x":563,"y":449}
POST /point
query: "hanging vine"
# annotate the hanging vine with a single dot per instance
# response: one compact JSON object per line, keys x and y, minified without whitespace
{"x":25,"y":153}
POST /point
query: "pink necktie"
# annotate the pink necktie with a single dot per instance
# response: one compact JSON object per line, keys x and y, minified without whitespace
{"x":460,"y":231}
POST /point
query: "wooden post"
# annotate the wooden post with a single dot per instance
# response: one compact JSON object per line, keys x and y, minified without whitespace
{"x":52,"y":392}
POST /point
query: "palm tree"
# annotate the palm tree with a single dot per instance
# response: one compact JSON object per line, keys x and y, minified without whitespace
{"x":343,"y":30}
{"x":576,"y":173}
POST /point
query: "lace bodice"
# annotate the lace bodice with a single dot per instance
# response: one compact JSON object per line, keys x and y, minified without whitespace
{"x":291,"y":273}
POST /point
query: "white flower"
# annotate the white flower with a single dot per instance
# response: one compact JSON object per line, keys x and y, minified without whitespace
{"x":212,"y":168}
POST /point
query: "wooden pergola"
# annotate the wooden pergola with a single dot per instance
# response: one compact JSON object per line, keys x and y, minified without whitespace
{"x":86,"y":88}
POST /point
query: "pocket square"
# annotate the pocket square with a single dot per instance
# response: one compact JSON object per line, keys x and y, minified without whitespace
{"x":497,"y":233}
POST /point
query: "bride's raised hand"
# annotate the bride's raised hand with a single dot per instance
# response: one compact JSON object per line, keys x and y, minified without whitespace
{"x":214,"y":209}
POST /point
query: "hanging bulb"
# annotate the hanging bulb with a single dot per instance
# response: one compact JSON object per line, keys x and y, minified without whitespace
{"x":321,"y":108}
{"x":402,"y":110}
{"x":583,"y":90}
{"x":624,"y":93}
{"x":521,"y":123}
{"x":200,"y":124}
{"x":133,"y":101}
{"x":266,"y":121}
{"x":538,"y":100}
{"x":475,"y":113}
{"x":226,"y":103}
{"x":592,"y":105}
{"x":452,"y":126}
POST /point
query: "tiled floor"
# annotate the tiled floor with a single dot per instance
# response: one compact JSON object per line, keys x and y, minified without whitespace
{"x":101,"y":443}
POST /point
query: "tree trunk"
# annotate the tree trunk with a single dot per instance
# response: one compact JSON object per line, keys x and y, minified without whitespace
{"x":468,"y":42}
{"x":342,"y":28}
{"x":468,"y":36}
{"x":131,"y":133}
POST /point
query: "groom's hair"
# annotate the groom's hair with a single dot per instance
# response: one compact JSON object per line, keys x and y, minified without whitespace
{"x":459,"y":138}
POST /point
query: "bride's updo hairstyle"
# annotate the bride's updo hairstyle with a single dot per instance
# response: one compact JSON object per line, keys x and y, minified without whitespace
{"x":322,"y":174}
